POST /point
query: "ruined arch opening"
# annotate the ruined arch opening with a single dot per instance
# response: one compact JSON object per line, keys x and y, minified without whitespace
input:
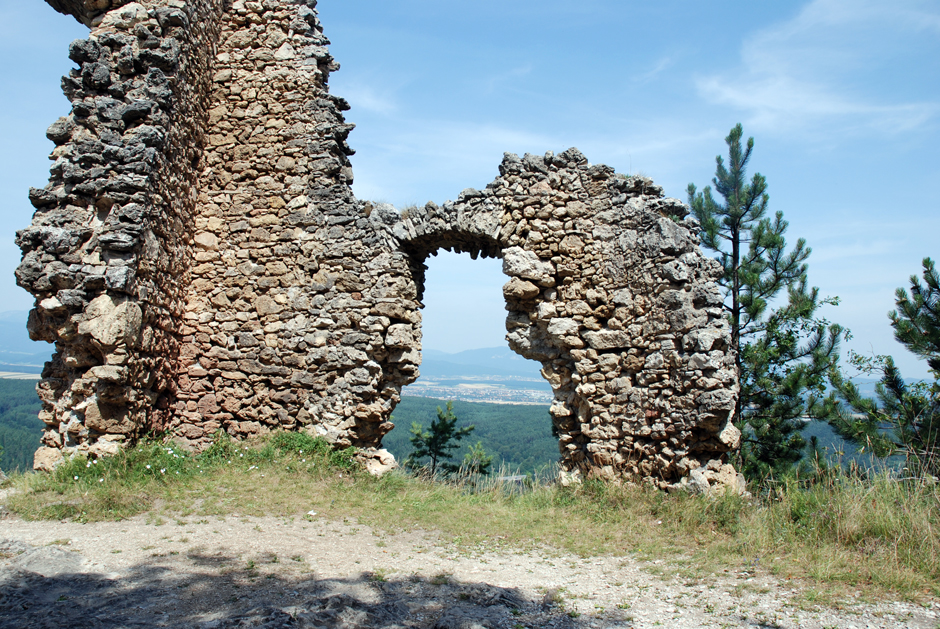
{"x":608,"y":290}
{"x":420,"y":249}
{"x":467,"y":357}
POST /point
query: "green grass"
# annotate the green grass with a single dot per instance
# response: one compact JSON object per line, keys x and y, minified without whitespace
{"x":836,"y":532}
{"x":129,"y":483}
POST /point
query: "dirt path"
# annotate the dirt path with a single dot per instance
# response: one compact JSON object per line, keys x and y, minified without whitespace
{"x":313,"y":572}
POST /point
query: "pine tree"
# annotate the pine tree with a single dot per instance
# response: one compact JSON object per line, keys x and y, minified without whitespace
{"x":438,"y":442}
{"x":476,"y":460}
{"x":903,"y":417}
{"x":783,"y":354}
{"x":916,"y":322}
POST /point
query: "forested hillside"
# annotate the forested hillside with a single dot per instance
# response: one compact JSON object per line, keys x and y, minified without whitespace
{"x":518,"y":436}
{"x":20,"y":427}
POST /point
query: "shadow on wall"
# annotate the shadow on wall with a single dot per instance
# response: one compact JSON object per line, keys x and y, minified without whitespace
{"x":218,"y":591}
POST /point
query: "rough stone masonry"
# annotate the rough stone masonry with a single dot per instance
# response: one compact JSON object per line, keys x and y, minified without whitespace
{"x":201,"y":264}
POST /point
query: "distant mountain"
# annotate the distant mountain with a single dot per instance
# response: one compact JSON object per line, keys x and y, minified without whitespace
{"x":502,"y":361}
{"x":432,"y":368}
{"x":496,"y":361}
{"x":17,"y":351}
{"x":866,"y":386}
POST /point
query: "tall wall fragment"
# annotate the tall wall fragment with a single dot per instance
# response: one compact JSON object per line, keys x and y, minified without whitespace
{"x":108,"y":252}
{"x":201,"y":263}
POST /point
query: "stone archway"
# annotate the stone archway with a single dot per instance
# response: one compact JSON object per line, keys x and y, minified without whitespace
{"x":201,"y":263}
{"x":609,"y":291}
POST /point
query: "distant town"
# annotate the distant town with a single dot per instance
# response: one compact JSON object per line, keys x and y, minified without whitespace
{"x":493,"y":389}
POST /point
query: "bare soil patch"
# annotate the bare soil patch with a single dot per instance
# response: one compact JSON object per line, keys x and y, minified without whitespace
{"x":316,"y":572}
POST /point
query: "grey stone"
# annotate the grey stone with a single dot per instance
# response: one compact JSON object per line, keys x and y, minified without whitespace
{"x":49,"y":561}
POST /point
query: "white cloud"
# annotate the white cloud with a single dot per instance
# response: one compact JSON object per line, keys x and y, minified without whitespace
{"x":825,"y":68}
{"x":780,"y":102}
{"x":363,"y":97}
{"x":413,"y":160}
{"x":661,"y":65}
{"x":906,"y":14}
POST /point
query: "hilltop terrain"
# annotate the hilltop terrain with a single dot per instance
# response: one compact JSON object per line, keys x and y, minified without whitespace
{"x":286,"y":532}
{"x":323,"y":570}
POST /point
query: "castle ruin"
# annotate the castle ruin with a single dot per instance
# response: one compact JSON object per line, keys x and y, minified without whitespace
{"x":201,"y":263}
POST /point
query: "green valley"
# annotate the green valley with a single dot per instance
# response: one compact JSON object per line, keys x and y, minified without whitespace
{"x":20,"y":427}
{"x":518,"y":436}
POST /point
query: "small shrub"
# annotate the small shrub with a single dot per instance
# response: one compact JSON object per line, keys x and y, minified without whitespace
{"x":344,"y":459}
{"x":441,"y":578}
{"x":300,"y":443}
{"x":724,"y":513}
{"x":223,"y":449}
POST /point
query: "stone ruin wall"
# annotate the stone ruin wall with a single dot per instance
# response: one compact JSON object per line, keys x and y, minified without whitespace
{"x":109,"y":249}
{"x":201,"y":263}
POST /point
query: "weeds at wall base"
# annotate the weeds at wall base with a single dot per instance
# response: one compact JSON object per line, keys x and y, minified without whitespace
{"x":839,"y":532}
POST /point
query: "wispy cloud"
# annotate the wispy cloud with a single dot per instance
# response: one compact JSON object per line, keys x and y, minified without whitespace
{"x":791,"y":103}
{"x":663,"y":64}
{"x":825,"y":68}
{"x":416,"y":159}
{"x":461,"y":141}
{"x":364,"y":97}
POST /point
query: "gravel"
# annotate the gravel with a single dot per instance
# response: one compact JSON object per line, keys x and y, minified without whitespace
{"x":315,"y":572}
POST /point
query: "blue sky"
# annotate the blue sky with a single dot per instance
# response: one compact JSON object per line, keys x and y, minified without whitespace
{"x":841,"y":96}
